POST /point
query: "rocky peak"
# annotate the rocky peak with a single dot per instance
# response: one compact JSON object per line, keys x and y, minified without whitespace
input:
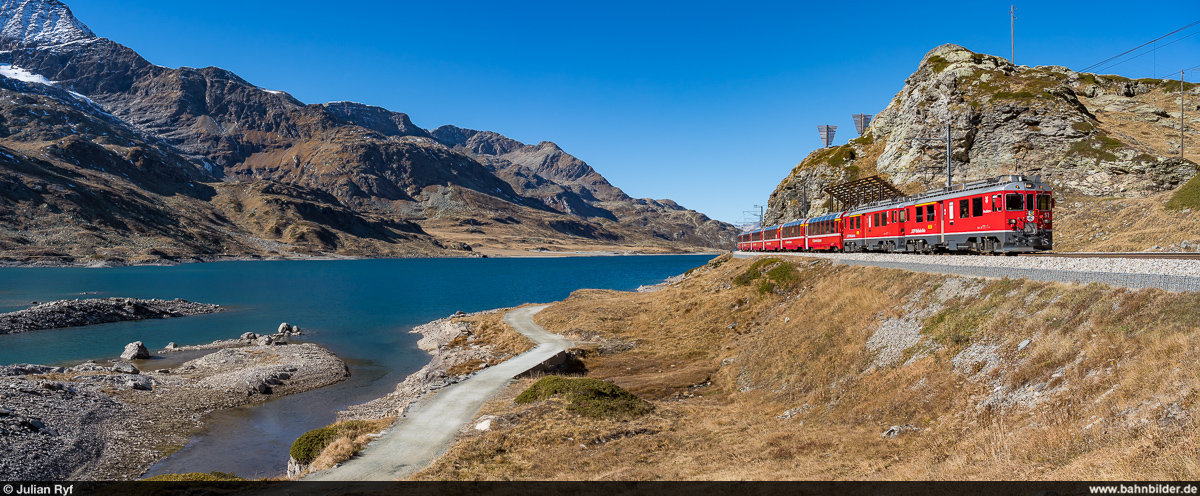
{"x":39,"y":22}
{"x":477,"y":142}
{"x":1093,"y":134}
{"x":377,"y":119}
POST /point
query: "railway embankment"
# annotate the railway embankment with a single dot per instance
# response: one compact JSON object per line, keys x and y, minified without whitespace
{"x":800,"y":367}
{"x":1170,"y":274}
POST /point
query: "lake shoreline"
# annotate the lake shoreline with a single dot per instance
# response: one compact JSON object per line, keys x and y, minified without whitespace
{"x":96,"y":421}
{"x":105,"y":264}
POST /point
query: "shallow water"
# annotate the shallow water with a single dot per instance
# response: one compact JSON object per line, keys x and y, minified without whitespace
{"x":360,"y":309}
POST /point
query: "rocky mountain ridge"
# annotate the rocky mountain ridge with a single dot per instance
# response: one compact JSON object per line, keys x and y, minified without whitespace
{"x":40,"y":22}
{"x":255,"y":172}
{"x":1091,"y":135}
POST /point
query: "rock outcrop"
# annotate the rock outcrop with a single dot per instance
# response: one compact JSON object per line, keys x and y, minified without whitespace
{"x":1091,"y":134}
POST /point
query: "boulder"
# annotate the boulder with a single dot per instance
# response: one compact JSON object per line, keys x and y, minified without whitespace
{"x":140,"y":383}
{"x":125,"y":368}
{"x":172,"y":346}
{"x":249,"y":336}
{"x":264,"y":389}
{"x":264,"y":341}
{"x":895,"y":430}
{"x":295,"y":468}
{"x":135,"y":351}
{"x":285,"y":329}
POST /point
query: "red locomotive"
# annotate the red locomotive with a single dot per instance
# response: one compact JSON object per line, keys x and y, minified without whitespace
{"x":1007,"y":214}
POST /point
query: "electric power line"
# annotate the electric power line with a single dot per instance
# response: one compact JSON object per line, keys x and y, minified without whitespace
{"x":1143,"y":54}
{"x":1122,"y":54}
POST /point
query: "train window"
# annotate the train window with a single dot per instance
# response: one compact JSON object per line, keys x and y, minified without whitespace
{"x":964,"y":209}
{"x":1013,"y":202}
{"x":1043,"y":202}
{"x":930,"y":213}
{"x":976,"y":207}
{"x":1029,"y":201}
{"x":920,"y":214}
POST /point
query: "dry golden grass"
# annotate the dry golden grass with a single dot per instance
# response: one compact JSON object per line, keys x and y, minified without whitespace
{"x":1106,"y":389}
{"x":352,"y":437}
{"x":1162,"y":136}
{"x":1085,"y":223}
{"x":490,"y":329}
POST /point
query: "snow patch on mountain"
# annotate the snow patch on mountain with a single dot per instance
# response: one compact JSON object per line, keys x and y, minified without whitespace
{"x":40,"y":22}
{"x":14,"y":72}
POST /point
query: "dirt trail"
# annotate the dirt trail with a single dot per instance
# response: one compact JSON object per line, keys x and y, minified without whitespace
{"x":432,"y":424}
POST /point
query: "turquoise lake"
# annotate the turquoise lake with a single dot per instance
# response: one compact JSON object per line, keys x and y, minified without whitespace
{"x":360,"y":309}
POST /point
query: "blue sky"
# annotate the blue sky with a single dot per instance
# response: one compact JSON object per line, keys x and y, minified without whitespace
{"x":707,"y":103}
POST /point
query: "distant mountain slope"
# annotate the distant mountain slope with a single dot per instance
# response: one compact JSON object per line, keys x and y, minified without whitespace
{"x":340,"y":177}
{"x":1092,"y":136}
{"x":569,"y":185}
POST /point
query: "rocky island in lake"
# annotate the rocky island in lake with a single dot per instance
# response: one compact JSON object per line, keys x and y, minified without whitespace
{"x":72,"y":313}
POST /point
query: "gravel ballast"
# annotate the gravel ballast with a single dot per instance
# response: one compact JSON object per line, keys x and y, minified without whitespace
{"x":1168,"y":274}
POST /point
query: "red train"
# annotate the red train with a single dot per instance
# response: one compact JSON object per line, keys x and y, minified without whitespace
{"x":1007,"y":214}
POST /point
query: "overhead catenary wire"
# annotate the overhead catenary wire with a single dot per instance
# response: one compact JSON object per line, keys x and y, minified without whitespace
{"x":1127,"y":52}
{"x":1114,"y":64}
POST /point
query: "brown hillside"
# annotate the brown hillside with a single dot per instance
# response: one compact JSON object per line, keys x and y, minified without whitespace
{"x":768,"y":369}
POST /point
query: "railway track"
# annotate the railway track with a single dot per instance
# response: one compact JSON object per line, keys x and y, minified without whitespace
{"x":1146,"y":255}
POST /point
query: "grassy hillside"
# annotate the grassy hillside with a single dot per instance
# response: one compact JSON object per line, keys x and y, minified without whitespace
{"x":796,"y":369}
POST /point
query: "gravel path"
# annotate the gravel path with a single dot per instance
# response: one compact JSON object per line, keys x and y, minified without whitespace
{"x":433,"y":423}
{"x":1168,"y":274}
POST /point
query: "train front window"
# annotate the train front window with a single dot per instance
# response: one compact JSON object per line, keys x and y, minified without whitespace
{"x":1014,"y":202}
{"x":1043,"y":202}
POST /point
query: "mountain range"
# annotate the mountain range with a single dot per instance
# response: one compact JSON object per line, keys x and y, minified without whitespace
{"x":105,"y":156}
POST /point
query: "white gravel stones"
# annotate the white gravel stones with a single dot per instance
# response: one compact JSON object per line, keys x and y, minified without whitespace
{"x":1172,"y":267}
